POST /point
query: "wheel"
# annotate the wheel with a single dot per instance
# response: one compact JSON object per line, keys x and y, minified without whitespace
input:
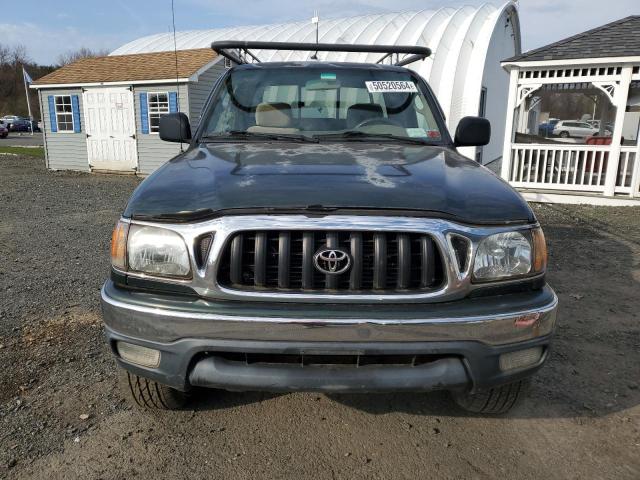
{"x":492,"y":401}
{"x":149,"y":394}
{"x":564,"y":134}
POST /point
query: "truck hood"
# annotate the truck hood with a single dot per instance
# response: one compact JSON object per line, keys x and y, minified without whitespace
{"x":216,"y":179}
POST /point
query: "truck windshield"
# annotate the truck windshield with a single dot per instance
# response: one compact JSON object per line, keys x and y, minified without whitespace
{"x":322,"y":104}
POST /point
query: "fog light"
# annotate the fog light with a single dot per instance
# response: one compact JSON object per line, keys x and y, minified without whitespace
{"x":520,"y":359}
{"x":147,"y":357}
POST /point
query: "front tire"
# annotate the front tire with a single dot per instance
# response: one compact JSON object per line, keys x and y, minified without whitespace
{"x":564,"y":134}
{"x":492,"y":401}
{"x":153,"y":395}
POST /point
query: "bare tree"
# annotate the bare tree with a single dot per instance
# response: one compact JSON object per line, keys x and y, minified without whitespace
{"x":5,"y":54}
{"x":18,"y":55}
{"x":12,"y":93}
{"x":83,"y":52}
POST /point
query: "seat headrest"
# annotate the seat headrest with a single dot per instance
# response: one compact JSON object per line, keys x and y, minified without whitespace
{"x":359,"y":112}
{"x":275,"y":115}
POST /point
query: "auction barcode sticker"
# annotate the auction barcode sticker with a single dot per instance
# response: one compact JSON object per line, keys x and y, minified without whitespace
{"x":391,"y":87}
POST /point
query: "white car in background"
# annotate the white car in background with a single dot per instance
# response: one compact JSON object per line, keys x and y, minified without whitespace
{"x":574,"y":128}
{"x":9,"y":119}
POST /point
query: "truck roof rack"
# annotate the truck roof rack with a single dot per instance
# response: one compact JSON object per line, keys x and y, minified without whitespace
{"x":242,"y":50}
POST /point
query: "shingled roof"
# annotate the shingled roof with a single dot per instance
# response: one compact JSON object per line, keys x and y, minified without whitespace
{"x":129,"y":68}
{"x":616,"y":39}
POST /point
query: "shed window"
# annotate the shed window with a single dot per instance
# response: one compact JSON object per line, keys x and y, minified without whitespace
{"x":158,"y":106}
{"x":64,"y":113}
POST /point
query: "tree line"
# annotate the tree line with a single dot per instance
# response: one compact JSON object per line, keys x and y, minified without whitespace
{"x":13,"y":100}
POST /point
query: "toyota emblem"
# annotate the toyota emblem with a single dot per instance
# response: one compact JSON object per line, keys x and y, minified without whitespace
{"x":332,"y":261}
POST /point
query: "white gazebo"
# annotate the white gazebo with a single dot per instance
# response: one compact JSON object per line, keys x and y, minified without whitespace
{"x":573,"y":118}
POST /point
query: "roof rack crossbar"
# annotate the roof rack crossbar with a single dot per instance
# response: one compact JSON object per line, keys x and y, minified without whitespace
{"x":384,"y":58}
{"x":222,"y":47}
{"x":408,"y":60}
{"x":247,"y":52}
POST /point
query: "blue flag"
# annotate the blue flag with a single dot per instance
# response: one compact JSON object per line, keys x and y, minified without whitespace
{"x":27,"y":78}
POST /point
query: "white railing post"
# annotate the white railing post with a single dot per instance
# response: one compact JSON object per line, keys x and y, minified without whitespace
{"x":635,"y":174}
{"x":620,"y":98}
{"x":508,"y":128}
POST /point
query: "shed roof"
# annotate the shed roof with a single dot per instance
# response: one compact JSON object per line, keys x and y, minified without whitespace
{"x":616,"y":39}
{"x":129,"y":68}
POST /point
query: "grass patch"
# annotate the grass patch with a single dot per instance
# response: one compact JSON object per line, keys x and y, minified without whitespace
{"x":32,"y":151}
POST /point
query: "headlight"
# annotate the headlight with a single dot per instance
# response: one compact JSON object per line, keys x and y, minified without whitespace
{"x":151,"y":250}
{"x":157,"y":251}
{"x":510,"y":254}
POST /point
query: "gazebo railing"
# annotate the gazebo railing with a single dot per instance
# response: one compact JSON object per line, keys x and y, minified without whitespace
{"x":559,"y":167}
{"x":580,"y":168}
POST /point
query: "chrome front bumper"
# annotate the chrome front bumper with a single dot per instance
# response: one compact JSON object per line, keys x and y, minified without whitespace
{"x":469,"y":335}
{"x":490,"y":320}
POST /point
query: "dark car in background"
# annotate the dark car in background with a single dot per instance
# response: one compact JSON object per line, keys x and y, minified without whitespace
{"x":24,"y":125}
{"x":4,"y":130}
{"x":546,"y":129}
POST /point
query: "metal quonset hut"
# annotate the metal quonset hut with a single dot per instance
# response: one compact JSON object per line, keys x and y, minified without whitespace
{"x":468,"y":45}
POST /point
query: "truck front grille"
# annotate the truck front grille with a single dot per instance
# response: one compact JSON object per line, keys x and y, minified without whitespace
{"x":283,"y":261}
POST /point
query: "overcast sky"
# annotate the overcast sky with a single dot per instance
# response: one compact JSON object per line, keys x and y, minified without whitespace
{"x":49,"y":28}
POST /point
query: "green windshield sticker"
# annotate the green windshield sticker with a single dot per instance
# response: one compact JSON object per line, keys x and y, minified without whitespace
{"x":327,"y":76}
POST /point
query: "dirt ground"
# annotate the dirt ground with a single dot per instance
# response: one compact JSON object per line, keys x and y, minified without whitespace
{"x":581,"y":419}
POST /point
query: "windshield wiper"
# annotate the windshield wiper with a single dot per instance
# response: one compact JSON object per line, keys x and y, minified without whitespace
{"x":359,"y":135}
{"x":242,"y":134}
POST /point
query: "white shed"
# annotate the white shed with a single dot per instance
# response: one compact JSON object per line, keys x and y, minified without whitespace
{"x":468,"y":44}
{"x":102,"y":114}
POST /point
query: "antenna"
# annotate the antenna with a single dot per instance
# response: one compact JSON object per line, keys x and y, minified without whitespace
{"x":316,"y":21}
{"x":175,"y":52}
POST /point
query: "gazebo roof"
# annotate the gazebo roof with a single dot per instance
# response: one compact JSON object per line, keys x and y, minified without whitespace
{"x":616,"y":39}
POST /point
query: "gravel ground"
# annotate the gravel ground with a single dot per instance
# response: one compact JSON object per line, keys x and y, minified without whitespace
{"x":62,"y":415}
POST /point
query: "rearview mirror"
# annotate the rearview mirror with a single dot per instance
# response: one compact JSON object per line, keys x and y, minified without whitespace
{"x":174,"y":127}
{"x":473,"y":132}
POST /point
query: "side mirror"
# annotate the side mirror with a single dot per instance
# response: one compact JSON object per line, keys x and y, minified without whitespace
{"x":473,"y":132}
{"x":174,"y":127}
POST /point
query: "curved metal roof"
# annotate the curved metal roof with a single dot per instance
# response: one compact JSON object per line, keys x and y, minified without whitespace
{"x":458,"y":37}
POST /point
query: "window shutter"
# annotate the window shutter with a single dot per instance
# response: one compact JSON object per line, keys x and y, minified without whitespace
{"x":173,"y":102}
{"x":144,"y":112}
{"x":75,"y":107}
{"x":52,"y":113}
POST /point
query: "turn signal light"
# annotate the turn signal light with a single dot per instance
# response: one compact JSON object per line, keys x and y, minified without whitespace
{"x":119,"y":245}
{"x":539,"y":251}
{"x":146,"y":357}
{"x":520,"y":359}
